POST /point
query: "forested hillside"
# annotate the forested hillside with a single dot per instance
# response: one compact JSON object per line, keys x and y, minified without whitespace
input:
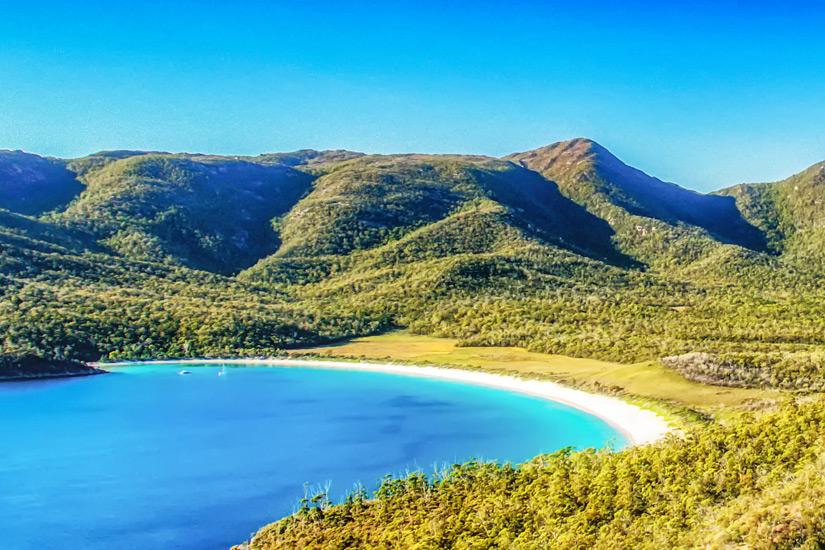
{"x":210,"y":214}
{"x":564,"y":250}
{"x":790,"y":213}
{"x":657,"y":222}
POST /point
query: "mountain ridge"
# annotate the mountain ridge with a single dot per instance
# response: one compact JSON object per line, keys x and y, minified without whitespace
{"x":579,"y":253}
{"x":584,"y":171}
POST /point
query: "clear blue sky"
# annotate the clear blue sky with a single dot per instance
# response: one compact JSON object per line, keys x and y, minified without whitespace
{"x":706,"y":94}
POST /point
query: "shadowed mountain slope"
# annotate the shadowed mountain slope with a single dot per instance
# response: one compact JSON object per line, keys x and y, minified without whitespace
{"x":27,"y":232}
{"x":31,"y":185}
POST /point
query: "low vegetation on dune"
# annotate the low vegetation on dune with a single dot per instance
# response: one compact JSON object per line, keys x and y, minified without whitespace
{"x":787,"y":371}
{"x":563,"y":250}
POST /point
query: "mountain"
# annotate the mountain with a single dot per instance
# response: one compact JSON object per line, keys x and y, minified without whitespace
{"x":652,"y":219}
{"x":791,"y":213}
{"x":206,"y":213}
{"x":372,"y":200}
{"x":32,"y":185}
{"x":564,"y":249}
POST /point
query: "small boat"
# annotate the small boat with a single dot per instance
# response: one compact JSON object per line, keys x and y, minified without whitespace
{"x":185,"y":372}
{"x":223,"y":370}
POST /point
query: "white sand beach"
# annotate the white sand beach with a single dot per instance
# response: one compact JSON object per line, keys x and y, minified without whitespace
{"x":639,"y":425}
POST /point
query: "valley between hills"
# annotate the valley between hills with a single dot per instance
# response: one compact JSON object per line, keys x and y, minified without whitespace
{"x":707,"y":307}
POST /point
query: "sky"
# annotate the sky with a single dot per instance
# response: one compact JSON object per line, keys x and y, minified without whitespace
{"x":705,"y":94}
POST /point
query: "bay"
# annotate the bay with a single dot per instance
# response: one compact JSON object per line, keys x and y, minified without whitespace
{"x":145,"y":457}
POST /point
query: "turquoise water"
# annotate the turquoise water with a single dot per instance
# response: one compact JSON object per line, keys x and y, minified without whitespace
{"x":146,"y":458}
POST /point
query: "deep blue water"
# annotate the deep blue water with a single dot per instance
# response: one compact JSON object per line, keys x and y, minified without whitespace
{"x":145,"y":458}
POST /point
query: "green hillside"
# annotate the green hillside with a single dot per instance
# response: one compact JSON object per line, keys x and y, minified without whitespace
{"x":562,"y":250}
{"x":212,"y":214}
{"x":791,"y":213}
{"x":373,"y":200}
{"x":60,"y":303}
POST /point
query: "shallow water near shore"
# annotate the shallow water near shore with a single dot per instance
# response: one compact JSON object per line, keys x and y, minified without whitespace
{"x":147,"y":458}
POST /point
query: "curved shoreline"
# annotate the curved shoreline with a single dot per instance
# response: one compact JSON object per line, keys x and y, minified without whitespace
{"x":639,"y":426}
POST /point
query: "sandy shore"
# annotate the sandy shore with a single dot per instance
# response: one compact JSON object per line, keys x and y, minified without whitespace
{"x":639,"y":425}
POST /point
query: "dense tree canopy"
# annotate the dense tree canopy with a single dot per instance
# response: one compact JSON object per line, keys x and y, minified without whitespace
{"x":755,"y":484}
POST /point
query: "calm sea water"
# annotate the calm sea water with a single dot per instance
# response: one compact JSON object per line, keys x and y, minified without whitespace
{"x":146,"y":458}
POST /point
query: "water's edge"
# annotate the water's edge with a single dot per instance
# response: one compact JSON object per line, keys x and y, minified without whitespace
{"x":640,"y":426}
{"x":50,"y":373}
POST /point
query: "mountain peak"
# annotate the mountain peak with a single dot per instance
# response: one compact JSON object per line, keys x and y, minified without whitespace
{"x":578,"y":150}
{"x":567,"y":159}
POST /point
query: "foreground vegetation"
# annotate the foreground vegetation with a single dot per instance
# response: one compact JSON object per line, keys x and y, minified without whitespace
{"x":756,"y":484}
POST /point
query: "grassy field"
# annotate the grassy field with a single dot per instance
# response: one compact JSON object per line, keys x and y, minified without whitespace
{"x":637,"y":382}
